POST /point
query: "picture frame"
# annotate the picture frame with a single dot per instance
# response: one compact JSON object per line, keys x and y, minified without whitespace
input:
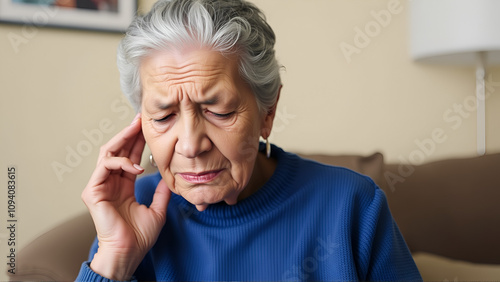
{"x":99,"y":15}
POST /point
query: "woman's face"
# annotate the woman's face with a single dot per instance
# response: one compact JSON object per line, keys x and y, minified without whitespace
{"x":202,"y":124}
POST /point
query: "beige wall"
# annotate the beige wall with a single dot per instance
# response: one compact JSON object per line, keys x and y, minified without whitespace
{"x":60,"y":94}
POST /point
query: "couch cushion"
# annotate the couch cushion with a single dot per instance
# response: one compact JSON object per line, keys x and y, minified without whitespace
{"x":438,"y":268}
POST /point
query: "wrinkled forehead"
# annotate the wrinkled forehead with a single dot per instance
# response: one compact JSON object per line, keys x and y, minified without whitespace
{"x":178,"y":65}
{"x":196,"y":71}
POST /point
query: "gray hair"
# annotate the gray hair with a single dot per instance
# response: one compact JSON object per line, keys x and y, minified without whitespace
{"x":226,"y":26}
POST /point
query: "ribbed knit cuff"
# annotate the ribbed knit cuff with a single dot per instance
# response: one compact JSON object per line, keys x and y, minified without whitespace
{"x":86,"y":274}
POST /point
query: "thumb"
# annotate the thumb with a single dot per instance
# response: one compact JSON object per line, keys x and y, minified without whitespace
{"x":161,"y":199}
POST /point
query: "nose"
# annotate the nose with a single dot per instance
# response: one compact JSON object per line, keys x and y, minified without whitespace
{"x":192,"y":139}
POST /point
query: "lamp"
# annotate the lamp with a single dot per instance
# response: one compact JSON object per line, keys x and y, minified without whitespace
{"x":459,"y":32}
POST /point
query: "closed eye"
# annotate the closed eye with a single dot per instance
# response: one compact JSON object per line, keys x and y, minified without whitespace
{"x":222,"y":116}
{"x":164,"y":119}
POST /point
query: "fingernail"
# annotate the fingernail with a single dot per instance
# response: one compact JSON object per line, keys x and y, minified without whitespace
{"x":138,"y":167}
{"x":136,"y":118}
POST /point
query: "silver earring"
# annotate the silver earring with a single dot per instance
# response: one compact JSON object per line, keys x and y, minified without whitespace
{"x":268,"y":149}
{"x":152,"y":161}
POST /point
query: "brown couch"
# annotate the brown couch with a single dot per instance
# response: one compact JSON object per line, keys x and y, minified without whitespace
{"x":447,"y":211}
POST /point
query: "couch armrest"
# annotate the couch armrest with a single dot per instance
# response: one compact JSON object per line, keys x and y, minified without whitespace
{"x":58,"y":254}
{"x":448,"y":207}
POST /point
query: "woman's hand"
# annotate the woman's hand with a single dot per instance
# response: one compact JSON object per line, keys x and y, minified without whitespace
{"x":125,"y":229}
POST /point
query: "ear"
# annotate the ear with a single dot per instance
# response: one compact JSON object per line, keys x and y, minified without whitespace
{"x":268,"y":119}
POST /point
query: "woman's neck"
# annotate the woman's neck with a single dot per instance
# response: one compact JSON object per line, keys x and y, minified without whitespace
{"x":263,"y":170}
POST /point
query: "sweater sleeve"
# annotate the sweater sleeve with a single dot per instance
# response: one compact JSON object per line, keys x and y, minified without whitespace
{"x":384,"y":253}
{"x":86,"y":273}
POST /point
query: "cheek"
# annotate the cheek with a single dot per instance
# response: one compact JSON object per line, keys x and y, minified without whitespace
{"x":163,"y":151}
{"x":240,"y":150}
{"x":162,"y":147}
{"x":245,"y":143}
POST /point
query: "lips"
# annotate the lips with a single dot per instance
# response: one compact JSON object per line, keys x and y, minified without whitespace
{"x":200,"y":178}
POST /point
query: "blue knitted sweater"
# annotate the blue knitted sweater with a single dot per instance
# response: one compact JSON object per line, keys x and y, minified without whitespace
{"x":310,"y":221}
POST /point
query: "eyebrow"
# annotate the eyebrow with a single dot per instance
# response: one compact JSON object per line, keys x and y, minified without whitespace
{"x":163,"y":106}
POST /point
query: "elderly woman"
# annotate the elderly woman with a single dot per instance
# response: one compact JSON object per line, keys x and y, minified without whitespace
{"x":204,"y":78}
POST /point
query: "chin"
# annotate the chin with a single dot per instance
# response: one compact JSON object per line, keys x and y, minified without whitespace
{"x":205,"y":194}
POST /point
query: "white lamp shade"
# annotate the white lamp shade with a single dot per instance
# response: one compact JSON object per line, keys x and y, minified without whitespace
{"x":452,"y":31}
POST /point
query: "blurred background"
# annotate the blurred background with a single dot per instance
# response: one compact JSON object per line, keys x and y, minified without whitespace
{"x":343,"y":93}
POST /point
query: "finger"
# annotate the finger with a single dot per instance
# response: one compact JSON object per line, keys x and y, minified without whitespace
{"x":137,"y":149}
{"x":135,"y":154}
{"x":161,"y":199}
{"x":123,"y":140}
{"x":109,"y":164}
